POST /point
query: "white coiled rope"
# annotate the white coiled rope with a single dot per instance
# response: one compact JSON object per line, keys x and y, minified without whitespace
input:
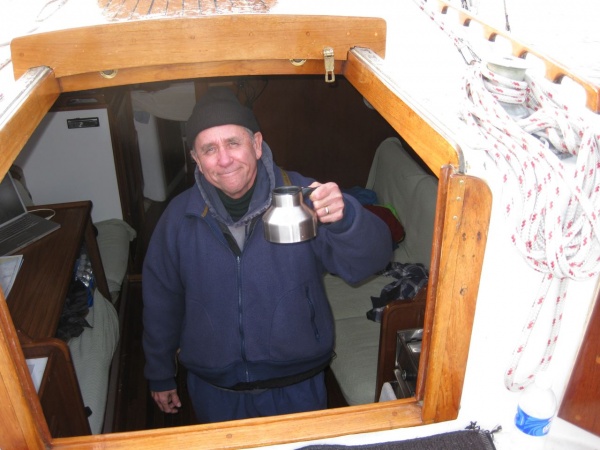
{"x":553,"y":218}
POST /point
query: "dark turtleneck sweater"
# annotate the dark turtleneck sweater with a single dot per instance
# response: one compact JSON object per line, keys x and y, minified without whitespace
{"x":237,"y":207}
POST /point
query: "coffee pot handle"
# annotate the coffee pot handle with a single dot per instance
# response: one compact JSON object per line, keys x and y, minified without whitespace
{"x":307,"y":191}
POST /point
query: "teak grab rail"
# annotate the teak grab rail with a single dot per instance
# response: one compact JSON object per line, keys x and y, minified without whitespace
{"x":236,"y":39}
{"x":555,"y":71}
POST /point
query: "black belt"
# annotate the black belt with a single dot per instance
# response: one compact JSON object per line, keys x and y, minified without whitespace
{"x":275,"y":383}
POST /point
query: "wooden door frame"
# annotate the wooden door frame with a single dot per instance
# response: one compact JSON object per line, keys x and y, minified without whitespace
{"x":460,"y":235}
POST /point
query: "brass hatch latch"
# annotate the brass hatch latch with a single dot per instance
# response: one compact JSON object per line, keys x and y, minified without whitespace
{"x":329,"y":64}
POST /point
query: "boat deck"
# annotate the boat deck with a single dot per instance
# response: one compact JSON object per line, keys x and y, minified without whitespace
{"x":142,"y":9}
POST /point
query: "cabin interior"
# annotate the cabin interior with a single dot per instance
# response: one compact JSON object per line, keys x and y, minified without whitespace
{"x":329,"y":131}
{"x":324,"y":130}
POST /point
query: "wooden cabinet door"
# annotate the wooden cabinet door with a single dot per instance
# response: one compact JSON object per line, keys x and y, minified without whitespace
{"x":581,"y":403}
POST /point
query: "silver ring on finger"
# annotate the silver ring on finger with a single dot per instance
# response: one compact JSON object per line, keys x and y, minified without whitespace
{"x":326,"y":210}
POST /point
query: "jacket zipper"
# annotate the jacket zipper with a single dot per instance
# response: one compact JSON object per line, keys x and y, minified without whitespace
{"x":234,"y":248}
{"x":249,"y":230}
{"x":240,"y":316}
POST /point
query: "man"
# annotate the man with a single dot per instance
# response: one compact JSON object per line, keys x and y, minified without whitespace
{"x":249,"y":319}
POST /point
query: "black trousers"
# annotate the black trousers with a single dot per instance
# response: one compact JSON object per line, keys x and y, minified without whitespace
{"x":214,"y":404}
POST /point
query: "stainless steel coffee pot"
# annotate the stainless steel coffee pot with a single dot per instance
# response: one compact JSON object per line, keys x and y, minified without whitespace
{"x":289,"y":220}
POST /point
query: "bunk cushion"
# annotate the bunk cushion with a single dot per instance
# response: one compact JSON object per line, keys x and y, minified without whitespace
{"x":403,"y":184}
{"x":357,"y":338}
{"x":398,"y":180}
{"x":114,"y":236}
{"x":352,"y":301}
{"x":355,"y":364}
{"x":92,"y":354}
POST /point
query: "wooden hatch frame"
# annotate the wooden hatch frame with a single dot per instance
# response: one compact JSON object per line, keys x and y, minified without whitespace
{"x":85,"y":58}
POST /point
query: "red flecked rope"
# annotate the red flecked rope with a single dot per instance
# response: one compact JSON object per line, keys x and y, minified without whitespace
{"x":459,"y":41}
{"x":553,"y":218}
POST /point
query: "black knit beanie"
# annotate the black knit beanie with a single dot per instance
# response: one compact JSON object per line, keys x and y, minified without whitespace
{"x":218,"y":106}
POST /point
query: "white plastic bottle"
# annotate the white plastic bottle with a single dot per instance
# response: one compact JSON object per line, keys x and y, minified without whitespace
{"x":537,"y":407}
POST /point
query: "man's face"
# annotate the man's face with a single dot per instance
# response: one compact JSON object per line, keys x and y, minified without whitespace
{"x":227,"y":157}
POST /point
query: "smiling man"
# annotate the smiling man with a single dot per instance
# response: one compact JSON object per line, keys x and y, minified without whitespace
{"x":226,"y":155}
{"x":248,"y":318}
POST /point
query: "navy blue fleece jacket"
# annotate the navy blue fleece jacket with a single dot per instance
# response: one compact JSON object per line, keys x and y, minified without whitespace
{"x":258,"y":314}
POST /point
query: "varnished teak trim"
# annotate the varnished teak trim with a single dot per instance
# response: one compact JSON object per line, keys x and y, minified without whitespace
{"x":260,"y":432}
{"x":151,"y":74}
{"x":467,"y":209}
{"x":151,"y":43}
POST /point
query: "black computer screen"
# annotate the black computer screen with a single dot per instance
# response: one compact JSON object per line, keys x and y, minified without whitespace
{"x":10,"y":202}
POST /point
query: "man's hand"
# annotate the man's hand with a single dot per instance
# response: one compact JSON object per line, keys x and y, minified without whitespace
{"x":167,"y":401}
{"x":328,"y":202}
